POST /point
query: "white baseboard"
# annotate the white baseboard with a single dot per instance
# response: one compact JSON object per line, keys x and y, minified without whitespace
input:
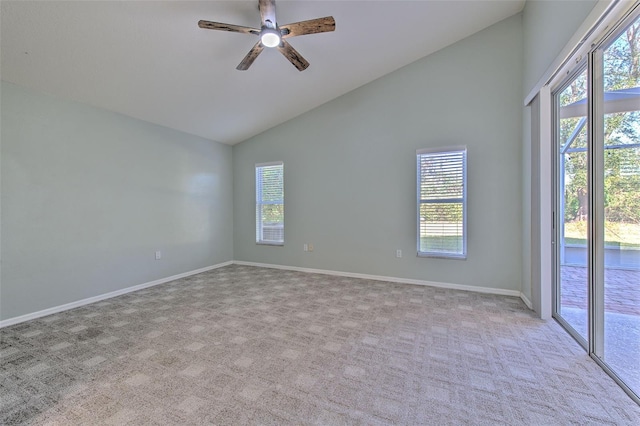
{"x":94,"y":299}
{"x":489,"y":290}
{"x":526,"y":301}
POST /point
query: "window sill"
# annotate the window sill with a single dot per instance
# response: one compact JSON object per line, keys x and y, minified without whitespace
{"x":443,"y":256}
{"x":270,"y":243}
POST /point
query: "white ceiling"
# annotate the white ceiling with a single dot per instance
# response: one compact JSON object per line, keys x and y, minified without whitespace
{"x":149,"y":60}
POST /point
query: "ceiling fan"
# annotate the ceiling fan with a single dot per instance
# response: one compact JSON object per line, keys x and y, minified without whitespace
{"x":273,"y":35}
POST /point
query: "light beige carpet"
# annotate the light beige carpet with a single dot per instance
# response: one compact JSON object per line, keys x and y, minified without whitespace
{"x":245,"y":345}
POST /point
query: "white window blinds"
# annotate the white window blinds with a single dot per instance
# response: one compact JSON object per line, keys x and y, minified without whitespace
{"x":442,"y":202}
{"x":270,"y":203}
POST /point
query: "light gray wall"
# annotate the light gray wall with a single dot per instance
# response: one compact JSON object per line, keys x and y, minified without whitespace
{"x":547,"y":27}
{"x":350,"y":174}
{"x":88,"y":196}
{"x":0,"y":201}
{"x":526,"y":203}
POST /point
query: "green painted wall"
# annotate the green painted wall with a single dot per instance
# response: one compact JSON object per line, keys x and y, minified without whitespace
{"x":350,"y":174}
{"x":88,"y":196}
{"x":547,"y":28}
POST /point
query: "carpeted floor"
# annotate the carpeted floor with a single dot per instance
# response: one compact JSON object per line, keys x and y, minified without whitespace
{"x":245,"y":345}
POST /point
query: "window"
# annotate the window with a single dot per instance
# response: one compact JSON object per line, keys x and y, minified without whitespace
{"x":270,"y":203}
{"x":442,"y":202}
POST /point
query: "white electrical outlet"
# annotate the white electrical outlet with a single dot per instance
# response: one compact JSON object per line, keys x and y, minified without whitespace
{"x":310,"y":247}
{"x":398,"y":253}
{"x":305,"y":247}
{"x":158,"y":255}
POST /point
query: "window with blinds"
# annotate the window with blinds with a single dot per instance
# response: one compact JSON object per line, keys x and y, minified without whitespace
{"x":270,"y":203}
{"x":442,"y":199}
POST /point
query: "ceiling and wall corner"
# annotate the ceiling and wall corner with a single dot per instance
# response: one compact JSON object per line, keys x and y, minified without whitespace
{"x":149,"y":60}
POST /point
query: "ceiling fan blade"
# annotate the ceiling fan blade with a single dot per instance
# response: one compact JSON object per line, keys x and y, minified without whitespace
{"x":312,"y":26}
{"x":293,"y":56}
{"x":268,"y":12}
{"x":227,"y":27}
{"x":251,"y":56}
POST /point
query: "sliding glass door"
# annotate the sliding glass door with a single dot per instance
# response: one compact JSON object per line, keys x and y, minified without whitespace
{"x":572,"y":205}
{"x":617,"y":97}
{"x":597,"y":207}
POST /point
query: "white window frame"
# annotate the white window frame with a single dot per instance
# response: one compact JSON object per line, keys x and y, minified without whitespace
{"x":463,"y":200}
{"x":259,"y":203}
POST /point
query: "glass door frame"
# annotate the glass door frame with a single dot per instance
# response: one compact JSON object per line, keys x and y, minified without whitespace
{"x":597,"y":211}
{"x":558,"y":211}
{"x":594,"y":344}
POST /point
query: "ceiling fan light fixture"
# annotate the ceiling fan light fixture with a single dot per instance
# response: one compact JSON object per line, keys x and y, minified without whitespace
{"x":270,"y":37}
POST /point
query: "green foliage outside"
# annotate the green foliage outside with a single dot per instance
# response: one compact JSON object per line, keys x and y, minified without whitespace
{"x":441,"y":243}
{"x":442,"y":188}
{"x":622,"y":166}
{"x":272,"y":195}
{"x":443,"y":213}
{"x":272,"y":214}
{"x":616,"y":234}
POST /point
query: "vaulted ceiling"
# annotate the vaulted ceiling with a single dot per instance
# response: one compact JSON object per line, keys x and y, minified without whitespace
{"x":149,"y":60}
